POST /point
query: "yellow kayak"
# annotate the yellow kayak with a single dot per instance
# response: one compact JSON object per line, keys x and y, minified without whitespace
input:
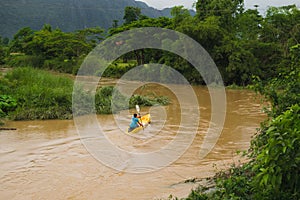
{"x":145,"y":120}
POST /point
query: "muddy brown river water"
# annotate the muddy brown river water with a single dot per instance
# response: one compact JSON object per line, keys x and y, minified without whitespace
{"x":47,"y":160}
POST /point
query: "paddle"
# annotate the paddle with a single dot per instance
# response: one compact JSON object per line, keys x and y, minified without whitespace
{"x":137,"y":107}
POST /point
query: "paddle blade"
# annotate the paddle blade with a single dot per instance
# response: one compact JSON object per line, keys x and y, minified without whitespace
{"x":137,"y":108}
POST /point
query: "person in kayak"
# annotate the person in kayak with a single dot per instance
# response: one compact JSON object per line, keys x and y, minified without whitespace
{"x":134,"y":122}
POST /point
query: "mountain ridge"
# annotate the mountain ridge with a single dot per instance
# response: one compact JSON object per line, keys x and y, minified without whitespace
{"x":68,"y":15}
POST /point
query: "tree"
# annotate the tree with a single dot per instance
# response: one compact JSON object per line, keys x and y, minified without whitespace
{"x":282,"y":26}
{"x":48,"y":43}
{"x":115,"y":23}
{"x":227,"y":10}
{"x":52,"y":48}
{"x":131,"y":14}
{"x":179,"y":14}
{"x":2,"y":55}
{"x":20,"y":39}
{"x":284,"y":89}
{"x":143,"y":55}
{"x":91,"y":35}
{"x":248,"y":25}
{"x":4,"y":41}
{"x":242,"y":65}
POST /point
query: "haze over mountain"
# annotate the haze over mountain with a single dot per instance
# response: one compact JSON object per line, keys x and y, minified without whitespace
{"x":68,"y":15}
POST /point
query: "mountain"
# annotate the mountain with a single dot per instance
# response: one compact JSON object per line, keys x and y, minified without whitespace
{"x":68,"y":15}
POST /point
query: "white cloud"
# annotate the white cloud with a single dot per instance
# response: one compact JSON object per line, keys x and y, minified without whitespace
{"x":160,"y":4}
{"x":263,"y":5}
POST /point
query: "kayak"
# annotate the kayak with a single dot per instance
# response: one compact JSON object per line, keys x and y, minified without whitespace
{"x":145,"y":120}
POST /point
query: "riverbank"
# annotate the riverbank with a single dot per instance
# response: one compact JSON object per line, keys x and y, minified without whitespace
{"x":31,"y":94}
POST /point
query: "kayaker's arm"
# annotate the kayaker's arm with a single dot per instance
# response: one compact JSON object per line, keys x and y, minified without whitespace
{"x":141,"y":124}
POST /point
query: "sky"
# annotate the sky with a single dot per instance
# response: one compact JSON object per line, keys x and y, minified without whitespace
{"x":263,"y":4}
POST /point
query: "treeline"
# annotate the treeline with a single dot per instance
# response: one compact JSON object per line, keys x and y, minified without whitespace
{"x":243,"y":43}
{"x":50,"y":49}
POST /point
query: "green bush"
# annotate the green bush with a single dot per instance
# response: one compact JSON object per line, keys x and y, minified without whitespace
{"x":56,"y":64}
{"x":197,"y":194}
{"x":117,"y":70}
{"x":64,"y":66}
{"x":25,"y":61}
{"x":278,"y":163}
{"x":2,"y":55}
{"x":105,"y":104}
{"x":7,"y":104}
{"x":234,"y":183}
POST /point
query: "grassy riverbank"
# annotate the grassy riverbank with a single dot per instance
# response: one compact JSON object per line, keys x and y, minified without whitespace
{"x":29,"y":94}
{"x":39,"y":94}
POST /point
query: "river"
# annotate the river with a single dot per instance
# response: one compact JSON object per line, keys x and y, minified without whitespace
{"x":47,"y":160}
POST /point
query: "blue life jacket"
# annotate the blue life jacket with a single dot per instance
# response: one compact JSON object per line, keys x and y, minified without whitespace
{"x":134,"y":122}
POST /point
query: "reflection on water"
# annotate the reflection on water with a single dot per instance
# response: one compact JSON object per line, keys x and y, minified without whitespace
{"x":46,"y":159}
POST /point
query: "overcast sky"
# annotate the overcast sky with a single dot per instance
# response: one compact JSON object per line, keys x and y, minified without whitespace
{"x":263,"y":4}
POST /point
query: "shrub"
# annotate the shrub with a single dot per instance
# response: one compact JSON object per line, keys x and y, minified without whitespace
{"x":25,"y":61}
{"x":64,"y":66}
{"x":105,"y":105}
{"x":116,"y":70}
{"x":278,"y":163}
{"x":7,"y":104}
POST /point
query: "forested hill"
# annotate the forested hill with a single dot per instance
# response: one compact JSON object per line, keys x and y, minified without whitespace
{"x":68,"y":15}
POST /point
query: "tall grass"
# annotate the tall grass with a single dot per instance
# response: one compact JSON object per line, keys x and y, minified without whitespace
{"x":55,"y":64}
{"x":39,"y":94}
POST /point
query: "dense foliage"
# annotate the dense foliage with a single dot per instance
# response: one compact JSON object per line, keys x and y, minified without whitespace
{"x":7,"y":104}
{"x":274,"y":169}
{"x":277,"y":164}
{"x":243,"y":43}
{"x":52,"y":49}
{"x":268,"y":50}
